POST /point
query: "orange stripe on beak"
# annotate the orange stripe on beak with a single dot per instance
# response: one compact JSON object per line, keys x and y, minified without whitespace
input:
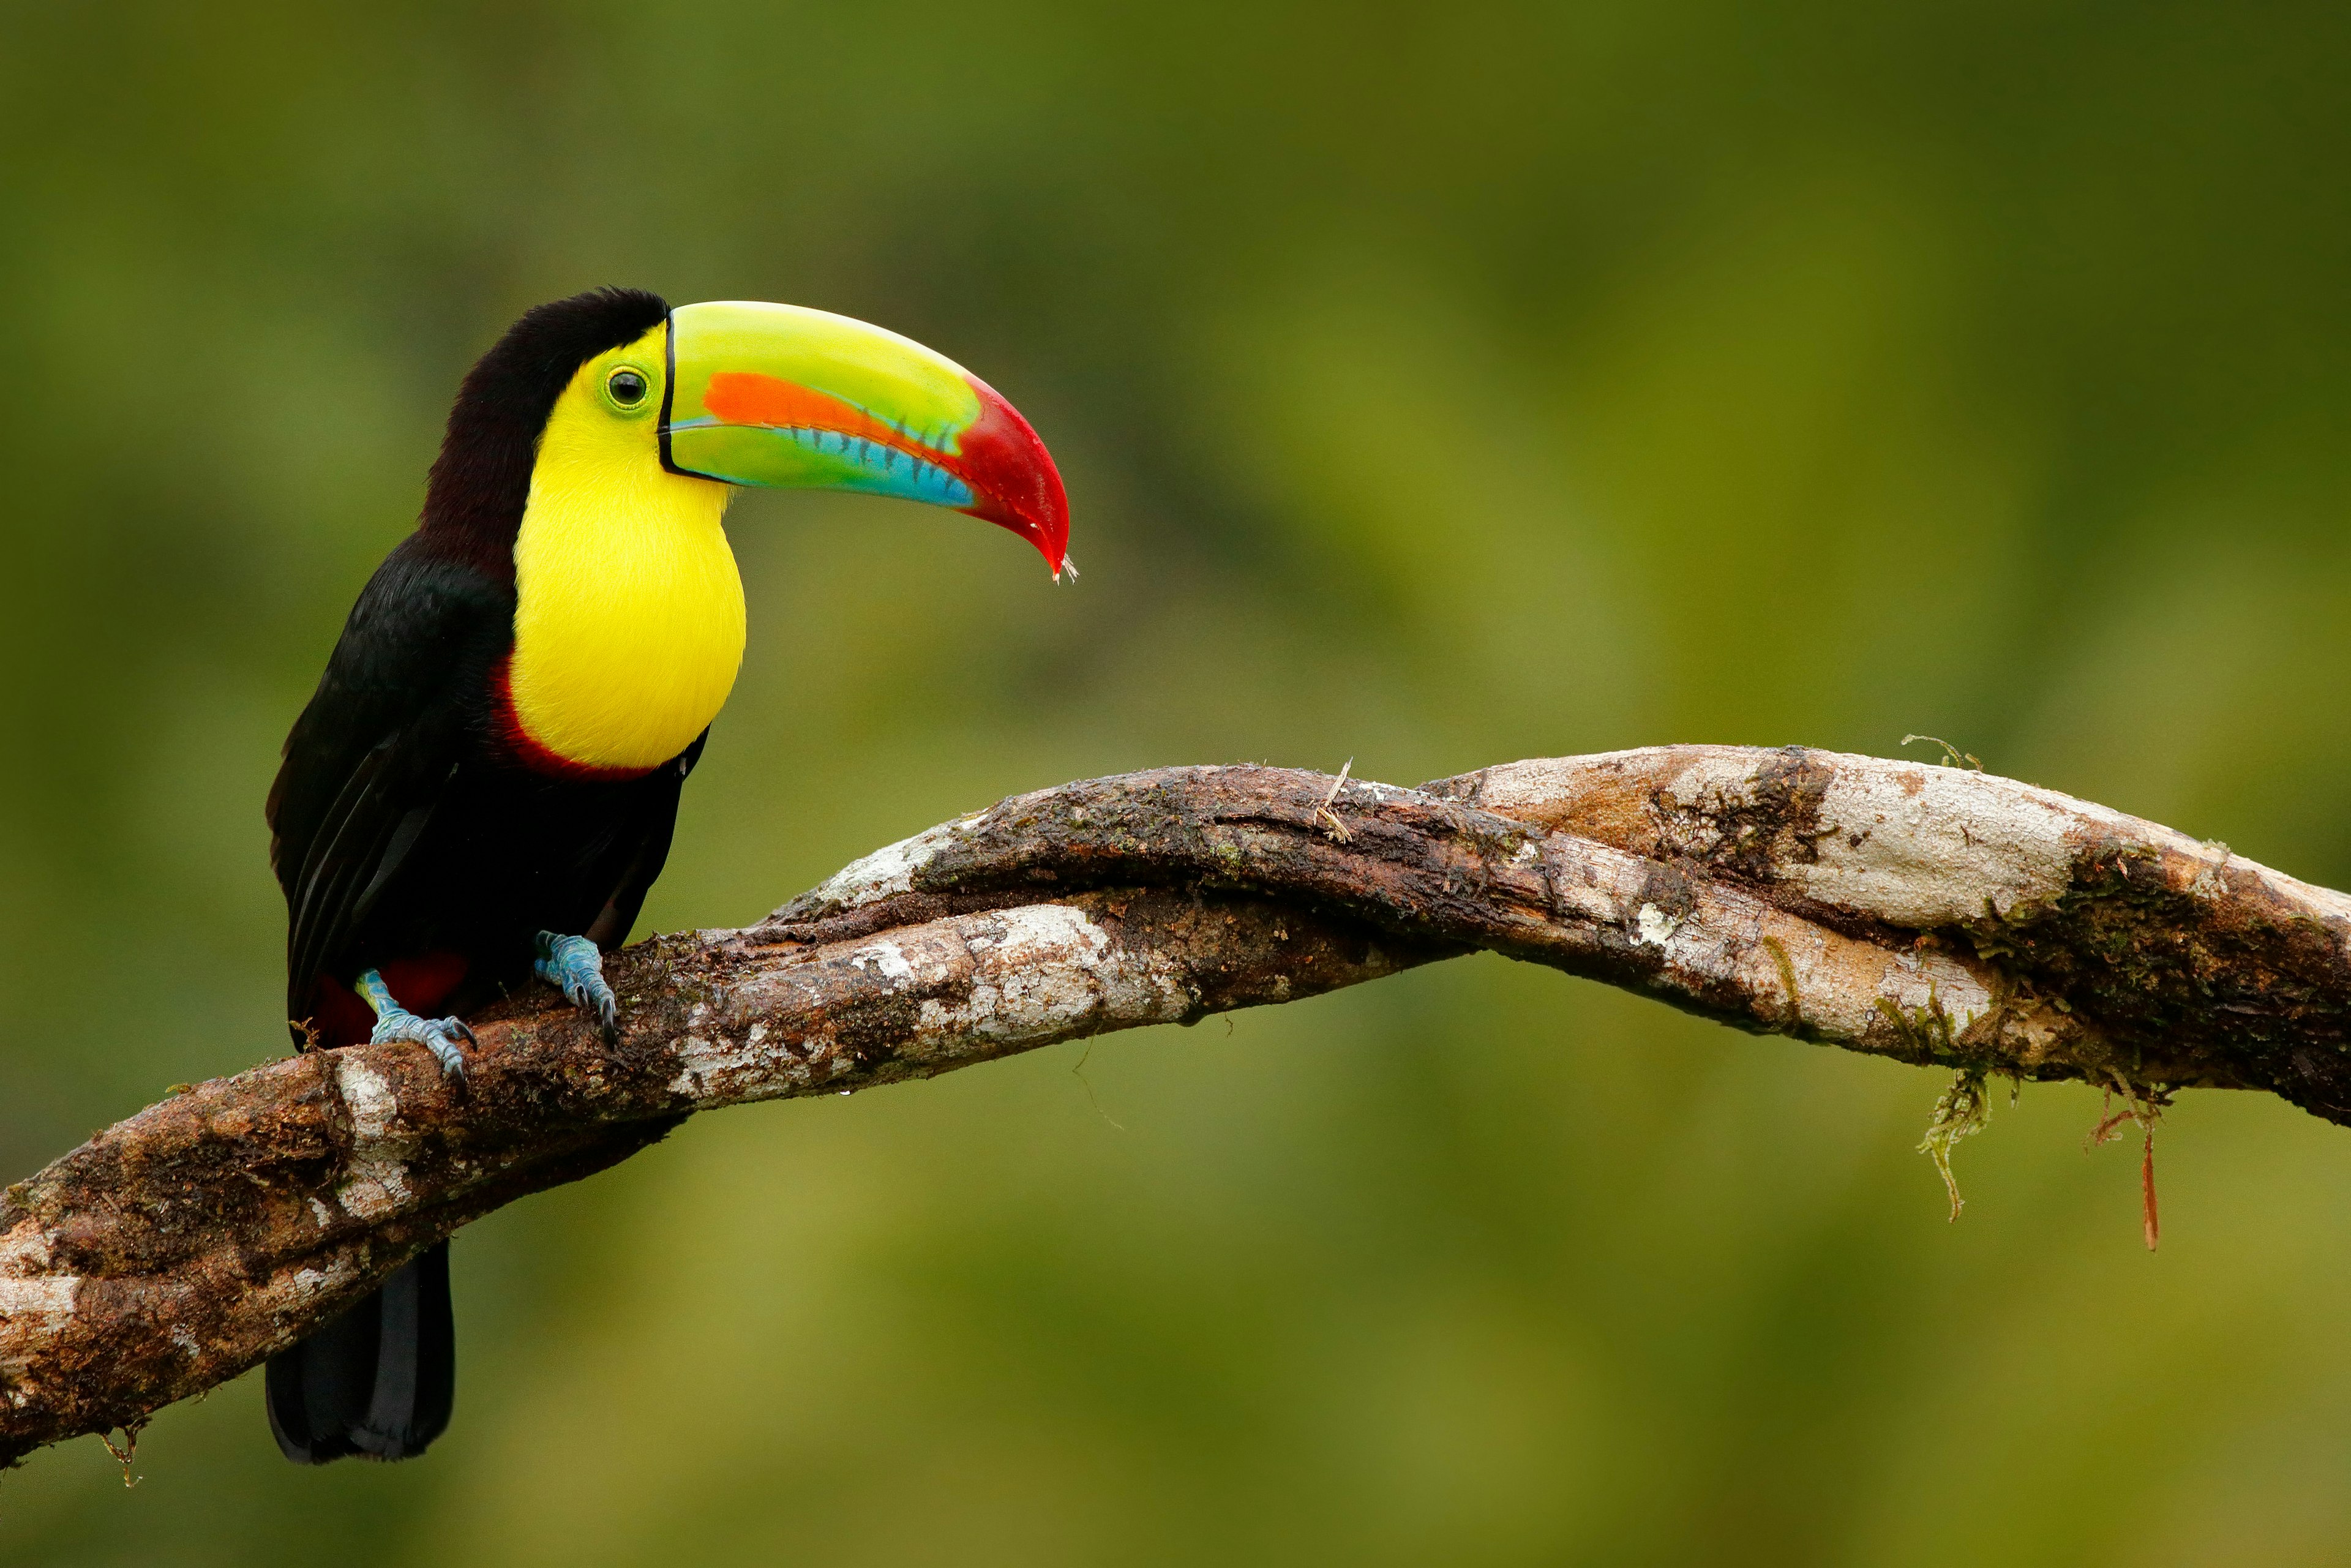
{"x":746,"y":397}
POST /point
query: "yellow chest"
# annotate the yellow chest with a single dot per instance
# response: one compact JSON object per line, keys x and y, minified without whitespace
{"x":628,"y":611}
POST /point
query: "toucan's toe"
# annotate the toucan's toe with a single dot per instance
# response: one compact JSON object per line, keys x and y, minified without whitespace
{"x":575,"y":965}
{"x":439,"y":1035}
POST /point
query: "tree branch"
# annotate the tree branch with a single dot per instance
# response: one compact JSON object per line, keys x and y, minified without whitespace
{"x":1927,"y":913}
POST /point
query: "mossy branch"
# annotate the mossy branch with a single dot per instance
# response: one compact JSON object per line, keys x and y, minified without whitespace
{"x":1934,"y":915}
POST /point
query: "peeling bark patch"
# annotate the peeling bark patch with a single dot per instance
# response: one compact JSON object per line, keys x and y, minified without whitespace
{"x":50,"y":1296}
{"x":376,"y":1189}
{"x":370,"y":1101}
{"x":886,"y":960}
{"x":893,"y":868}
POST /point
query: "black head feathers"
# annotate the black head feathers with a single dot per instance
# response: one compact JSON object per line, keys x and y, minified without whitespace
{"x":474,"y":499}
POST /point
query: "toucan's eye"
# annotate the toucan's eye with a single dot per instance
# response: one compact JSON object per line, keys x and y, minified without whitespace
{"x":627,"y":387}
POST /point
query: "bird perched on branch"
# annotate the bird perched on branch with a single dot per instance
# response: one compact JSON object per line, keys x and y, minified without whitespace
{"x":482,"y":787}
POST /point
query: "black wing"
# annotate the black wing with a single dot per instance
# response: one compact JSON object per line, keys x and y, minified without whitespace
{"x":370,"y":757}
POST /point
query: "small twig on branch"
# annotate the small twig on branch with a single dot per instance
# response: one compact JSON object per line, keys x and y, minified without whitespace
{"x":1952,"y":753}
{"x":127,"y":1454}
{"x":1932,"y":914}
{"x":1326,"y":816}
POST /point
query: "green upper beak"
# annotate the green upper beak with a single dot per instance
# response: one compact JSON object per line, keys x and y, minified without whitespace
{"x":780,"y":395}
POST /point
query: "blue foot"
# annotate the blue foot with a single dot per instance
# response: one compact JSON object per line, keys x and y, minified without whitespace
{"x":395,"y":1023}
{"x":574,"y":967}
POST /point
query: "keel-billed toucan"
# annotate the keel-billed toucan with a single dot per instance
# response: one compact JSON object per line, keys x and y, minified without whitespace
{"x":482,"y":787}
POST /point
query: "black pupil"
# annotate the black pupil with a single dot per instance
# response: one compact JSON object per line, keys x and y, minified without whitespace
{"x":627,"y":387}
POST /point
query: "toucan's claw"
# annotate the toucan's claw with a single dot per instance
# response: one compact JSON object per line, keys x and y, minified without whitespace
{"x":439,"y":1035}
{"x":574,"y":965}
{"x":395,"y":1023}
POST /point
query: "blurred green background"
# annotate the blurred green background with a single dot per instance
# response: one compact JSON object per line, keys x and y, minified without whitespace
{"x":1435,"y":386}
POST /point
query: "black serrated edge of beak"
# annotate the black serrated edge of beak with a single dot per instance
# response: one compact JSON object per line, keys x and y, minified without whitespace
{"x":669,"y":385}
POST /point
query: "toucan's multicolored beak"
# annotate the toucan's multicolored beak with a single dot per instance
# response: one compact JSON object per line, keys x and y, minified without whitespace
{"x":776,"y":394}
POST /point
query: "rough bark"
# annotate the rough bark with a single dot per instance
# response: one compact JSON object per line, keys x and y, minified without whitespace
{"x":1933,"y":914}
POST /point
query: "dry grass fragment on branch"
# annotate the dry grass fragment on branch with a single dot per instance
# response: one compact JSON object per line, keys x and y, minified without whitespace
{"x":1933,"y":914}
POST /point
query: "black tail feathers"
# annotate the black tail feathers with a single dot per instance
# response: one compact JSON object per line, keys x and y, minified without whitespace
{"x":378,"y":1381}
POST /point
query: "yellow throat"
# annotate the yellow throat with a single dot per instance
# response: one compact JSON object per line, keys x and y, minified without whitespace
{"x":628,"y":608}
